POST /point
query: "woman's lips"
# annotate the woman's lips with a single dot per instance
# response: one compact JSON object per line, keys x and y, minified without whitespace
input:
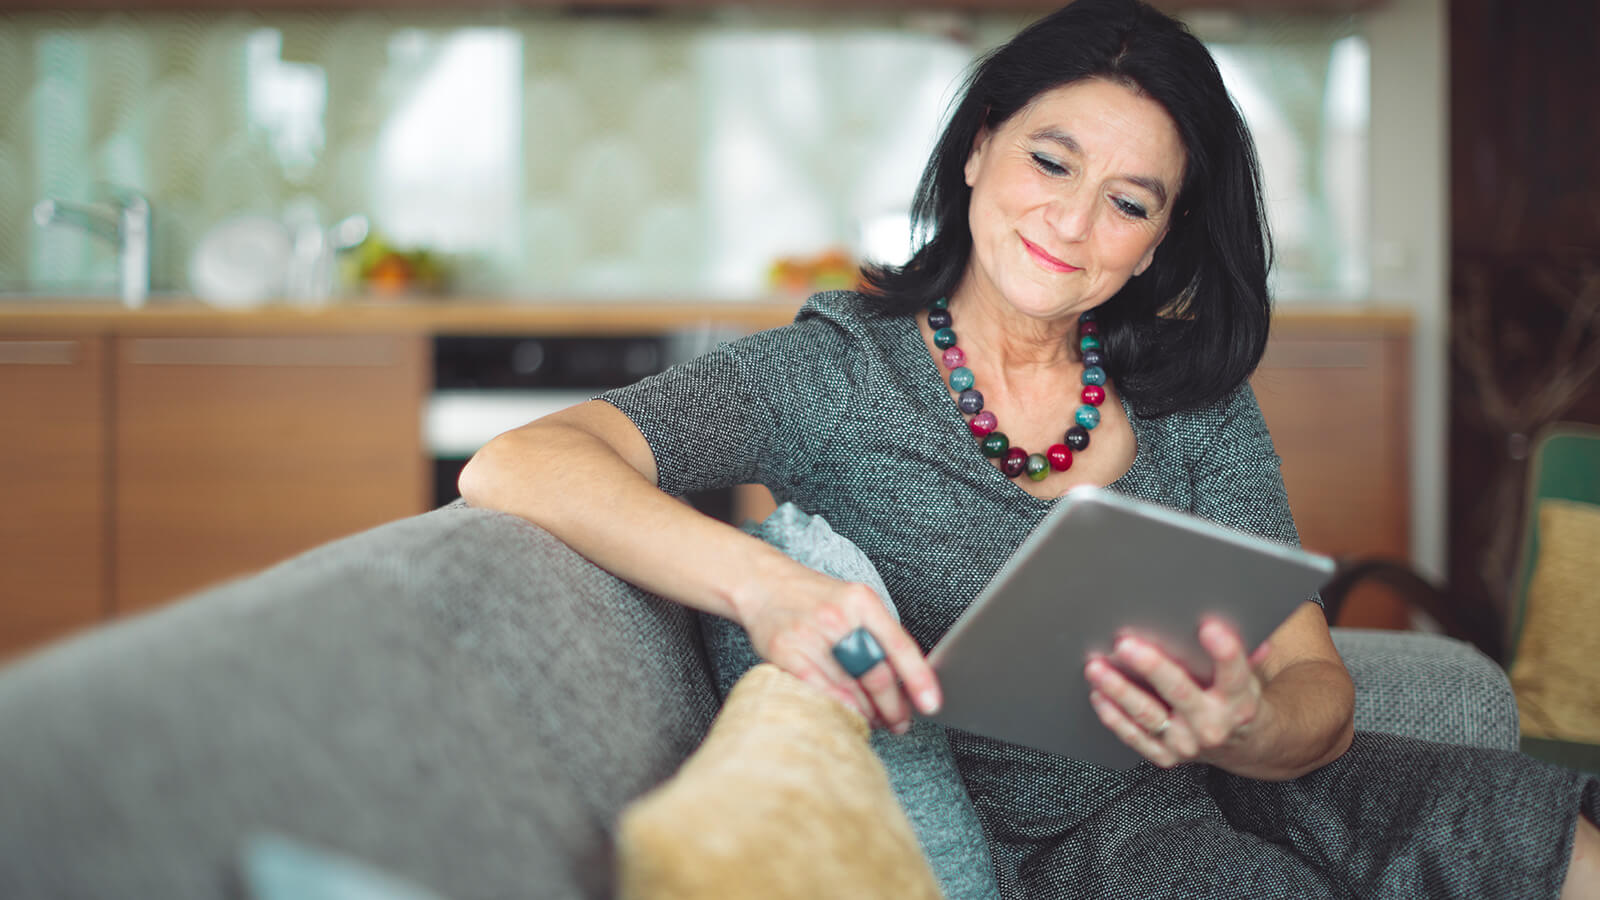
{"x":1045,"y":259}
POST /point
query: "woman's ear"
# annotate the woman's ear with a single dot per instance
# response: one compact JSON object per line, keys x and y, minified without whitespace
{"x":1150,"y":255}
{"x":980,"y":143}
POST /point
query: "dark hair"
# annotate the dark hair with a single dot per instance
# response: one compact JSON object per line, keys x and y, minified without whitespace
{"x":1192,"y":327}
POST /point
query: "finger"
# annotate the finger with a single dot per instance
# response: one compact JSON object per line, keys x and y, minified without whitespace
{"x":1233,"y":673}
{"x":1129,"y":732}
{"x":1258,"y":658}
{"x":884,"y":692}
{"x":822,"y":672}
{"x":814,"y":676}
{"x":1145,"y":710}
{"x":1170,"y":680}
{"x":919,"y":682}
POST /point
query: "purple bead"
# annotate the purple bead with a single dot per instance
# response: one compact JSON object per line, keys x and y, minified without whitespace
{"x":970,"y":401}
{"x":1096,"y":357}
{"x":954,"y":357}
{"x":939,"y":318}
{"x":1078,"y":438}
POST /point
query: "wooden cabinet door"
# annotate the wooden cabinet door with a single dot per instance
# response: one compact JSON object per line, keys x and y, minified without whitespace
{"x":1338,"y":407}
{"x":53,"y":469}
{"x":233,"y":453}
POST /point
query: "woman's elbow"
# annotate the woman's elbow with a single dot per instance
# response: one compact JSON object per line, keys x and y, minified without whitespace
{"x":485,"y":472}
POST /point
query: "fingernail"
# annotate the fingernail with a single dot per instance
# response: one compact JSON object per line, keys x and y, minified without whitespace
{"x":929,"y":701}
{"x":902,"y":727}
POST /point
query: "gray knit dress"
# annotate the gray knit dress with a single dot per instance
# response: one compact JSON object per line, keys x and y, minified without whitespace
{"x":845,"y":414}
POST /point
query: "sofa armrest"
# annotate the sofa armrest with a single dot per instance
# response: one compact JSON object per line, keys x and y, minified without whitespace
{"x":457,"y":697}
{"x":1428,"y":686}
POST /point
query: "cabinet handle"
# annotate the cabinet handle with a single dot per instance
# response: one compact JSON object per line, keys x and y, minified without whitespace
{"x":253,"y":351}
{"x":38,"y":353}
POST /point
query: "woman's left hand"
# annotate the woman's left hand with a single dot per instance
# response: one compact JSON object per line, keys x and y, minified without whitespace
{"x":1182,"y":721}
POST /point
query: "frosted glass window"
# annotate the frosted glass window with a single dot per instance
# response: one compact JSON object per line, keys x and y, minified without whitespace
{"x":1306,"y":103}
{"x":447,"y":163}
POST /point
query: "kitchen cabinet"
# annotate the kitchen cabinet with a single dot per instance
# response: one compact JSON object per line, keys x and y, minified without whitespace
{"x":1336,"y":397}
{"x":53,"y":487}
{"x":234,"y":452}
{"x":149,"y":453}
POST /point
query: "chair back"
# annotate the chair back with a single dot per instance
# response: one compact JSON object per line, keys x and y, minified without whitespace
{"x":1565,"y":466}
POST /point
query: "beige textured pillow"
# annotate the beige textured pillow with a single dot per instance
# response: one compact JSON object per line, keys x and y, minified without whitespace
{"x":1556,"y":675}
{"x":784,"y":799}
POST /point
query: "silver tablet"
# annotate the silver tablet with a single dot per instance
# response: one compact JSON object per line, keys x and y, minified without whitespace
{"x":1100,"y":565}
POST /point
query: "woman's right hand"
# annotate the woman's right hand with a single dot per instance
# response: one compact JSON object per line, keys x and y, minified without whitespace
{"x":795,"y":622}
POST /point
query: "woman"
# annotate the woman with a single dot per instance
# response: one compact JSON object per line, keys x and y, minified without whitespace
{"x":1092,"y":207}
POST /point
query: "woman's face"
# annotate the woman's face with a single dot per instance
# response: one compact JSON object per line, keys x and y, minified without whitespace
{"x":1070,"y":197}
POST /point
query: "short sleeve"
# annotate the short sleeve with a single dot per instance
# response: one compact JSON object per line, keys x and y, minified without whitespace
{"x":1238,"y":480}
{"x":750,"y":411}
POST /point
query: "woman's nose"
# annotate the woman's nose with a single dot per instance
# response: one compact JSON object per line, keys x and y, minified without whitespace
{"x":1070,"y":214}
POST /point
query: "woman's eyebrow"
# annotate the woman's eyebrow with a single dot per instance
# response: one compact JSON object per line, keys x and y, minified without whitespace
{"x":1068,"y":143}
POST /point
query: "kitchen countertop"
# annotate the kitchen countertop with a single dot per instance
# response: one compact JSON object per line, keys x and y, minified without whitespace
{"x":496,"y":315}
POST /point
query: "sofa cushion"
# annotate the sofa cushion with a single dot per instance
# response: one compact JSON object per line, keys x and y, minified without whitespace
{"x":783,"y":800}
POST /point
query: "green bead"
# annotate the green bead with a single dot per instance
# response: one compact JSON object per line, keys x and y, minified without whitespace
{"x":1088,"y":417}
{"x":942,"y":303}
{"x":996,"y":445}
{"x":1094,"y":375}
{"x":1088,"y":342}
{"x":960,"y":378}
{"x":1038,"y":466}
{"x":944,"y":338}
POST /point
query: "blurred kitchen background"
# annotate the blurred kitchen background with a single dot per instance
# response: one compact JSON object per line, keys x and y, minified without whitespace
{"x":651,"y":153}
{"x":270,"y":271}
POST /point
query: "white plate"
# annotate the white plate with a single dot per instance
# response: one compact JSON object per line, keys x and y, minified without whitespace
{"x":241,"y":262}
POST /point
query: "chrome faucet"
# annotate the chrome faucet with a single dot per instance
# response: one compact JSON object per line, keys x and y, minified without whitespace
{"x":125,"y":223}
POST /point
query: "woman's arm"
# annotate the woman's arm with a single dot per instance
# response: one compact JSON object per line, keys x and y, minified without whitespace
{"x":588,"y":476}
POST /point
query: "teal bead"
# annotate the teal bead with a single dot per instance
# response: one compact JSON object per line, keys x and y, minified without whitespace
{"x":942,"y":303}
{"x":1087,"y":416}
{"x":1094,"y":375}
{"x":996,"y":445}
{"x":1088,"y":342}
{"x":960,"y":378}
{"x":944,"y":338}
{"x":1038,"y":466}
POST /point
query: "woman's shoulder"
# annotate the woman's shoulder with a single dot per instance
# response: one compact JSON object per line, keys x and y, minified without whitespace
{"x":1232,"y":419}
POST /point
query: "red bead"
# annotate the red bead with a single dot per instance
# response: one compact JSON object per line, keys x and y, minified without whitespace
{"x":954,"y":357}
{"x":1094,"y":394}
{"x":1016,"y":460}
{"x":1060,"y":457}
{"x":983,"y":423}
{"x":1088,"y":328}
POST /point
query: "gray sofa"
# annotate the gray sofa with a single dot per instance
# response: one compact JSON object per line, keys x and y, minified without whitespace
{"x":455,"y":698}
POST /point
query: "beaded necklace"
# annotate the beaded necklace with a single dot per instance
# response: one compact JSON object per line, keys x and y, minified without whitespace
{"x":1015,"y":461}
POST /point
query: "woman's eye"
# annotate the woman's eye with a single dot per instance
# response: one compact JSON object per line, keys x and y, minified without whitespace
{"x":1129,"y":208}
{"x":1048,"y":165}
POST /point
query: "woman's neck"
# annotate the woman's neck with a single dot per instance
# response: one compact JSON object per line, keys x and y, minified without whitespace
{"x":1011,"y":340}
